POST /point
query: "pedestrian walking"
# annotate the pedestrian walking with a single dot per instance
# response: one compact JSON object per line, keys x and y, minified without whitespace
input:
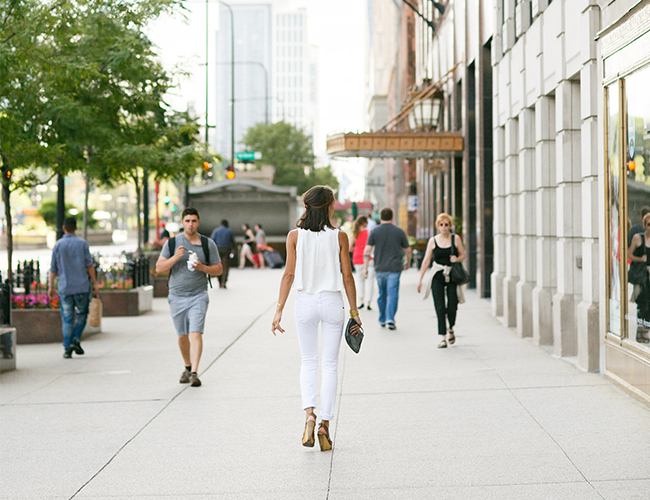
{"x":224,"y":238}
{"x":388,"y":244}
{"x":444,"y":250}
{"x":364,"y":285}
{"x":184,"y":258}
{"x":260,"y":243}
{"x":73,"y":265}
{"x":318,"y":267}
{"x":248,"y":247}
{"x":637,"y":228}
{"x":639,"y":255}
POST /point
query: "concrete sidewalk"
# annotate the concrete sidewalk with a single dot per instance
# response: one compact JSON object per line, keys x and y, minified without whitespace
{"x":492,"y":417}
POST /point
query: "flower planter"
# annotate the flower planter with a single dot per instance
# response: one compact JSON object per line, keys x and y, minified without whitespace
{"x":160,"y":286}
{"x":40,"y":326}
{"x":132,"y":302}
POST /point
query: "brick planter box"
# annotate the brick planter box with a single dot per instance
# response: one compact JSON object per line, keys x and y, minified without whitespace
{"x":42,"y":326}
{"x":160,"y":286}
{"x":131,"y":302}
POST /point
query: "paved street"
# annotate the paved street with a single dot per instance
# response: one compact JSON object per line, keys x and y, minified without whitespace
{"x":492,"y":417}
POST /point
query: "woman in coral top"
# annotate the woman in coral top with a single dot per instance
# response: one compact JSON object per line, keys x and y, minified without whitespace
{"x":364,"y":285}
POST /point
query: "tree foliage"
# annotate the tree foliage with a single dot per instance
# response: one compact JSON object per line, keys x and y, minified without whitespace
{"x":289,"y":150}
{"x":81,"y":89}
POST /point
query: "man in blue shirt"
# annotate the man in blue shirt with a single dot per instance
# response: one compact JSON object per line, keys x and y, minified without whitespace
{"x":72,"y":263}
{"x":225,"y":241}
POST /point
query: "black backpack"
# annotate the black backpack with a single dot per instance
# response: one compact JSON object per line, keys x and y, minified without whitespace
{"x":204,"y":245}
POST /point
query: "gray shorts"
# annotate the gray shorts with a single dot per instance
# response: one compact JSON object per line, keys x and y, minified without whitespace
{"x":189,"y":313}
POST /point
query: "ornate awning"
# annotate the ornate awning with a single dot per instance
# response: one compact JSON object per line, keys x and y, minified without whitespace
{"x":395,"y":145}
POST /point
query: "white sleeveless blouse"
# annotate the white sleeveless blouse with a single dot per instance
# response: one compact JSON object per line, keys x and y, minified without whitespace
{"x":318,"y":266}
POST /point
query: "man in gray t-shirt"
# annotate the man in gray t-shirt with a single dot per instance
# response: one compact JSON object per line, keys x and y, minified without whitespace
{"x":389,"y":244}
{"x":188,"y":298}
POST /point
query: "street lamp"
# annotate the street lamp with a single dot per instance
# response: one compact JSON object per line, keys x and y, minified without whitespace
{"x":425,"y":113}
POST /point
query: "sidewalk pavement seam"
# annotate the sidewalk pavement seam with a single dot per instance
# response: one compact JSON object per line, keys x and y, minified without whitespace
{"x":171,"y":400}
{"x":74,"y":369}
{"x":551,"y":437}
{"x":336,"y":426}
{"x":512,"y":393}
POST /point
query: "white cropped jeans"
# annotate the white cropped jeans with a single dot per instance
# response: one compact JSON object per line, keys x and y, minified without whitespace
{"x":311,"y":309}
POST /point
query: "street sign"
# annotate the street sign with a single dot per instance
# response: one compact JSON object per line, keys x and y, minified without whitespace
{"x":248,"y":155}
{"x":412,"y":203}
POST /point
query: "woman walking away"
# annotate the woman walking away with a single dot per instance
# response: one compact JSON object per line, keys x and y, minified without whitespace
{"x":440,"y":247}
{"x":318,"y":267}
{"x":364,"y":285}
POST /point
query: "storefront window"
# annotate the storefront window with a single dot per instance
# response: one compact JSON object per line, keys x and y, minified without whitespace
{"x":638,"y":201}
{"x":613,"y":169}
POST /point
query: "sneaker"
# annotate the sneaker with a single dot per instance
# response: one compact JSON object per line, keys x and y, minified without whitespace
{"x":391,"y":326}
{"x":194,"y":380}
{"x":67,"y":354}
{"x":383,"y":325}
{"x":185,"y":377}
{"x":76,"y":347}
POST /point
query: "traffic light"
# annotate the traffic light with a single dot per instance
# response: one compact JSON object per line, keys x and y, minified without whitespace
{"x":206,"y":166}
{"x":167,"y":199}
{"x":8,"y":174}
{"x":230,"y":172}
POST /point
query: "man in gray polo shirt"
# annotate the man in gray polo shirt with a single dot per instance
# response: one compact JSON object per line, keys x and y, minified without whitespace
{"x":72,"y":263}
{"x":389,"y":244}
{"x":188,"y":288}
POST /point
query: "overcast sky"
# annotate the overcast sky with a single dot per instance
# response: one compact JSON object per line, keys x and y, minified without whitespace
{"x":336,"y":27}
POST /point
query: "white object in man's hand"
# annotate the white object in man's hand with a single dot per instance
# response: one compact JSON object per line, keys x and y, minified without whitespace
{"x":192,"y":261}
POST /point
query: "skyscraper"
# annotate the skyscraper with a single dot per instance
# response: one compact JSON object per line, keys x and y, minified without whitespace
{"x":270,"y":41}
{"x":253,"y":49}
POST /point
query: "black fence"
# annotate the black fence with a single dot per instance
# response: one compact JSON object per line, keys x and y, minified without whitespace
{"x":5,"y":302}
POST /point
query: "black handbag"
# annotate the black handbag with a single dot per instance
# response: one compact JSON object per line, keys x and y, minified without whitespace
{"x":458,"y":273}
{"x":638,"y":273}
{"x":354,"y":341}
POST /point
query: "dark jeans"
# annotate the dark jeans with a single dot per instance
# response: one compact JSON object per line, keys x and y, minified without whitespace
{"x":224,"y":254}
{"x":72,"y":330}
{"x":448,"y":311}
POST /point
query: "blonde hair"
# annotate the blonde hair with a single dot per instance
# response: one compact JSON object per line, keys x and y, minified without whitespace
{"x":445,"y":218}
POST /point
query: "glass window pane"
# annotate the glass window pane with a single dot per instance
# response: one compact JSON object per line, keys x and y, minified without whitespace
{"x":638,"y":201}
{"x":614,"y":276}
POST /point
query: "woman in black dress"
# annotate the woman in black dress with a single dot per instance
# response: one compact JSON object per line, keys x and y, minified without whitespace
{"x":440,"y":249}
{"x":639,"y":251}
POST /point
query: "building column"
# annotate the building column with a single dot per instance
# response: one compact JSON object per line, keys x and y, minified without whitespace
{"x":499,"y":221}
{"x":527,"y":238}
{"x":568,"y":201}
{"x":545,"y":222}
{"x":512,"y":222}
{"x":588,"y":309}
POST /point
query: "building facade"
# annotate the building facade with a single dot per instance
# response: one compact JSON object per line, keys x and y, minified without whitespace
{"x":550,"y":99}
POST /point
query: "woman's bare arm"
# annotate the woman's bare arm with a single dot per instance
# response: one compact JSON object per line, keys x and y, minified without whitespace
{"x":287,"y":280}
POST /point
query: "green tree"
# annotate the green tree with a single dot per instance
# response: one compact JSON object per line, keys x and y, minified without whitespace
{"x":109,"y":87}
{"x":22,"y":101}
{"x":289,"y":150}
